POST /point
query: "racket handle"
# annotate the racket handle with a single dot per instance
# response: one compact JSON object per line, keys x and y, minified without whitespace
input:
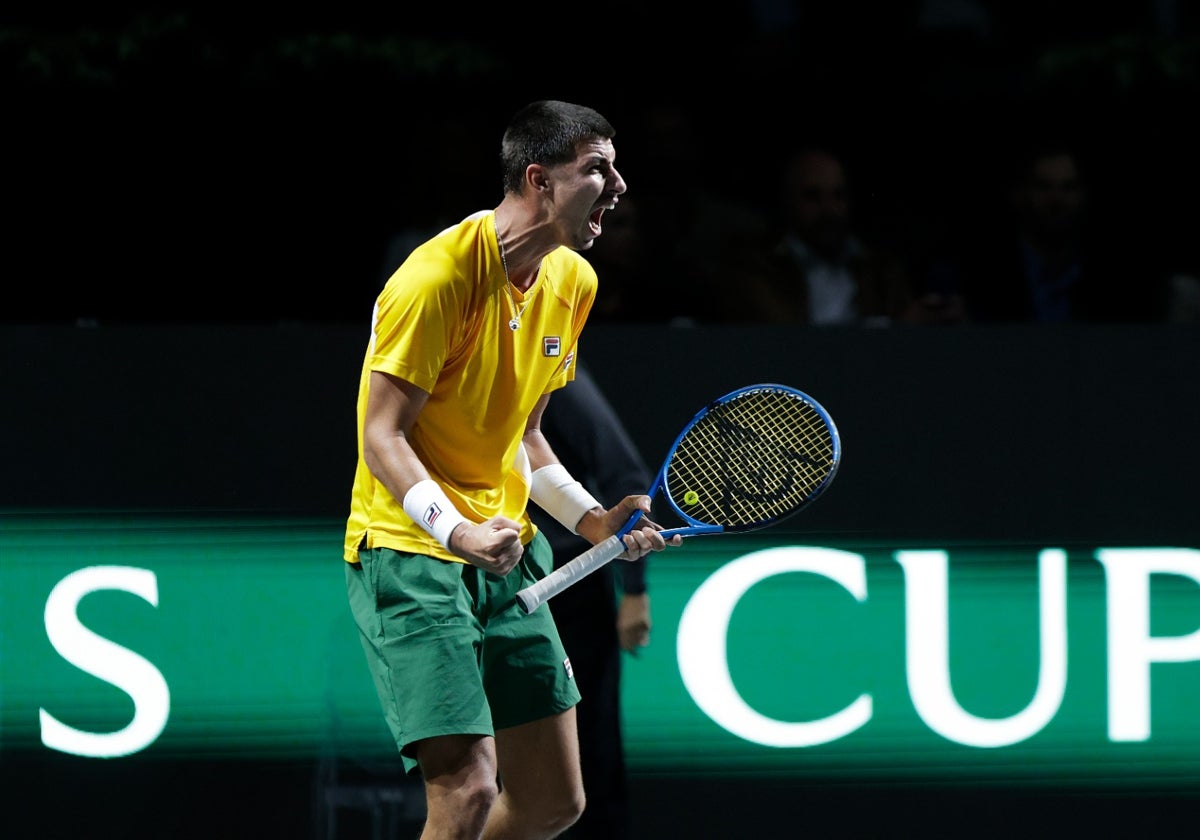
{"x":533,"y":596}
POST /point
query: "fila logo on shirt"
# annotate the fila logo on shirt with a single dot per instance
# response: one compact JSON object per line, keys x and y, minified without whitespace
{"x":551,"y":345}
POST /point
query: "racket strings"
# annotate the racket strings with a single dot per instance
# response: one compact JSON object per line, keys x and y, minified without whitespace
{"x":753,"y":459}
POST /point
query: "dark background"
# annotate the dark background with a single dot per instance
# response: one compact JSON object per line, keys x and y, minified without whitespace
{"x":211,"y":194}
{"x":1078,"y":437}
{"x":1081,"y":435}
{"x":195,"y":163}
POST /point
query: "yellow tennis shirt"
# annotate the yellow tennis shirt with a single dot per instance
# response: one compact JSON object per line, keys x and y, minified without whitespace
{"x":442,"y":323}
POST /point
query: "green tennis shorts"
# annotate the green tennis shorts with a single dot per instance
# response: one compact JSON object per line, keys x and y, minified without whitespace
{"x":449,"y":648}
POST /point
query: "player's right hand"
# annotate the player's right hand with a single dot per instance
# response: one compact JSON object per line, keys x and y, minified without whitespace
{"x":494,"y":545}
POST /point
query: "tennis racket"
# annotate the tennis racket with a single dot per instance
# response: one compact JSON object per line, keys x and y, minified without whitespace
{"x":746,"y":460}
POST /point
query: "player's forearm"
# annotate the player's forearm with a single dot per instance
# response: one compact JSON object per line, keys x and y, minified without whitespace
{"x":393,"y":462}
{"x":538,"y":449}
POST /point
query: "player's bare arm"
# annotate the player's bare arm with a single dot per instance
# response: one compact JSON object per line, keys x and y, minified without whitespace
{"x":599,"y":523}
{"x":393,"y":405}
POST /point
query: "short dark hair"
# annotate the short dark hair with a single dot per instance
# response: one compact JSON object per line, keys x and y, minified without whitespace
{"x":547,"y":132}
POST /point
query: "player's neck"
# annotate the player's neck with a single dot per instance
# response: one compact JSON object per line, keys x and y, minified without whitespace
{"x":523,"y":244}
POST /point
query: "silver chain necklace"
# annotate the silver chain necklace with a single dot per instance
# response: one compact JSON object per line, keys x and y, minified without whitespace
{"x":514,"y":323}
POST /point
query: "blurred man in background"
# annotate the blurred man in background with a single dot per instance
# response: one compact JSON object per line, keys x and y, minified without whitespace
{"x":604,"y":613}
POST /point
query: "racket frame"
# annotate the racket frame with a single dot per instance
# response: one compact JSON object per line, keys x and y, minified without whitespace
{"x":609,"y":549}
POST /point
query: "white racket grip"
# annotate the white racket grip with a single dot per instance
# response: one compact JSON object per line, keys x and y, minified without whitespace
{"x":532,"y":597}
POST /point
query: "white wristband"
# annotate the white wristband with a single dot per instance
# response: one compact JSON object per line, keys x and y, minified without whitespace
{"x":429,"y":507}
{"x":561,"y":496}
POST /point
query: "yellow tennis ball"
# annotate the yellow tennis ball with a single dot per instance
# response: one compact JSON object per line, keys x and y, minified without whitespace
{"x":691,"y":497}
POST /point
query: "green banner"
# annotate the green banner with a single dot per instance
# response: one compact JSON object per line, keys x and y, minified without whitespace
{"x":207,"y":635}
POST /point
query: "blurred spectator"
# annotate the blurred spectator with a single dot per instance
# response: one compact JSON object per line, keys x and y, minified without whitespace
{"x":1048,"y":259}
{"x":628,"y":292}
{"x":453,"y":159}
{"x":695,"y":224}
{"x":821,"y":269}
{"x":1184,"y":302}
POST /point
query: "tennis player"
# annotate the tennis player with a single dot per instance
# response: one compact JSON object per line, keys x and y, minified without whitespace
{"x":469,"y":338}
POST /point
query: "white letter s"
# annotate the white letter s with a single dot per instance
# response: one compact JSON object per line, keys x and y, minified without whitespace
{"x":107,"y":660}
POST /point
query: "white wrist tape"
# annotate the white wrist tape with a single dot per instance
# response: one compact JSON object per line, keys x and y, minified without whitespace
{"x":428,"y":506}
{"x":561,"y":496}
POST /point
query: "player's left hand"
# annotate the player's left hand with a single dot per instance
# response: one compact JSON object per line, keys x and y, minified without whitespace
{"x":643,"y":539}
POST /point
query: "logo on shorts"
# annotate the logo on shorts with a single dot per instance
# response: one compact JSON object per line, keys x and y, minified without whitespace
{"x":567,"y":361}
{"x":431,"y":514}
{"x":551,"y":345}
{"x":570,"y":670}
